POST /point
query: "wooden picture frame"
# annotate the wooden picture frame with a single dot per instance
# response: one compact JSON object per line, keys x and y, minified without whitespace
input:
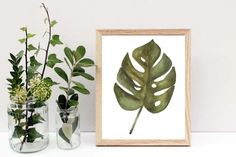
{"x":106,"y":134}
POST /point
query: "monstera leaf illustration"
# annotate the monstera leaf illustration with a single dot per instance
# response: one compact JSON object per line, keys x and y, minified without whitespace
{"x":138,"y":89}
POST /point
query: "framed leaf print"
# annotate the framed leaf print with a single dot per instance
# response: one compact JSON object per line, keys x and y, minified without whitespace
{"x":143,"y":87}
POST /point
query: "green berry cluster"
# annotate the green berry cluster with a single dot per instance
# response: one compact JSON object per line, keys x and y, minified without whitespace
{"x":41,"y":90}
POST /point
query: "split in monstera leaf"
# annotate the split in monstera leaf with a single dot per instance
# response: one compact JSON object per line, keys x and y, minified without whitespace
{"x":152,"y":88}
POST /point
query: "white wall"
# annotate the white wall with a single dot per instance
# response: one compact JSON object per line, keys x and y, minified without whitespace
{"x":213,"y":27}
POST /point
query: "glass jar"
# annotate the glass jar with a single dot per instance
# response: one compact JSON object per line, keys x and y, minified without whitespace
{"x":28,"y":126}
{"x":68,"y":128}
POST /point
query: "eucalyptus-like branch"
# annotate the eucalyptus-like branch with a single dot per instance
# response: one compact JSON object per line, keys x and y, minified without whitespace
{"x":49,"y":39}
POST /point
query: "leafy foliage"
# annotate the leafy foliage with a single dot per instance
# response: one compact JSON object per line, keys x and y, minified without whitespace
{"x":35,"y":119}
{"x":76,"y":63}
{"x":53,"y":60}
{"x":23,"y":29}
{"x":69,"y":55}
{"x":67,"y":130}
{"x":17,"y":70}
{"x":49,"y":81}
{"x":79,"y":53}
{"x":53,"y":23}
{"x":85,"y":75}
{"x":22,"y":40}
{"x":31,"y":48}
{"x":142,"y":85}
{"x":32,"y":69}
{"x":17,"y":114}
{"x":21,"y":92}
{"x":29,"y":35}
{"x":33,"y":134}
{"x":18,"y":132}
{"x":20,"y":54}
{"x":86,"y":62}
{"x":61,"y":73}
{"x":56,"y":40}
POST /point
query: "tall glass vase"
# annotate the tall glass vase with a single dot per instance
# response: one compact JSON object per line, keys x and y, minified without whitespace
{"x":68,"y":128}
{"x":28,"y":126}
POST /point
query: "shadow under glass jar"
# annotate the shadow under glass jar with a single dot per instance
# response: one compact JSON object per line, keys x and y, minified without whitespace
{"x":28,"y":126}
{"x":68,"y":128}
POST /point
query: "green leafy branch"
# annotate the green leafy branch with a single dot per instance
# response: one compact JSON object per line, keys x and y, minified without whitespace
{"x":76,"y":63}
{"x":16,"y":80}
{"x":25,"y":129}
{"x":50,"y":60}
{"x":33,"y":87}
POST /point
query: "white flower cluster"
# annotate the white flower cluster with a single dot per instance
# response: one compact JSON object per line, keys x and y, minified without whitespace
{"x":19,"y":95}
{"x":38,"y":89}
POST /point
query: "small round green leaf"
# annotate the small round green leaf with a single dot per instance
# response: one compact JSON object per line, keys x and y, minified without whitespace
{"x":72,"y":102}
{"x":81,"y":90}
{"x":80,"y":85}
{"x":53,"y":23}
{"x":31,"y":47}
{"x":86,"y":62}
{"x":22,"y":40}
{"x":87,"y":76}
{"x":74,"y":97}
{"x":79,"y":53}
{"x":61,"y":73}
{"x":69,"y":55}
{"x":29,"y":35}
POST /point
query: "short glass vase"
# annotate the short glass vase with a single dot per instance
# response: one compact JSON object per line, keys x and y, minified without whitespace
{"x":28,"y":126}
{"x":68,"y":128}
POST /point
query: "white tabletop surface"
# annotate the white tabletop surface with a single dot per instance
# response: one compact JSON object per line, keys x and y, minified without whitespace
{"x":203,"y":145}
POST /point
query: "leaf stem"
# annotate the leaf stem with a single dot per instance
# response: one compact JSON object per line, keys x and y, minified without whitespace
{"x":69,"y":83}
{"x":26,"y":128}
{"x":135,"y":121}
{"x":26,"y":60}
{"x":49,"y":39}
{"x":68,"y":89}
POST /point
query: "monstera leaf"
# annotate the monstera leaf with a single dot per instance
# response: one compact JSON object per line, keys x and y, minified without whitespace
{"x":138,"y":89}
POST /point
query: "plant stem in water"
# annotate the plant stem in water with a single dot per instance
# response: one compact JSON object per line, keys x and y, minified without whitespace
{"x":26,"y":86}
